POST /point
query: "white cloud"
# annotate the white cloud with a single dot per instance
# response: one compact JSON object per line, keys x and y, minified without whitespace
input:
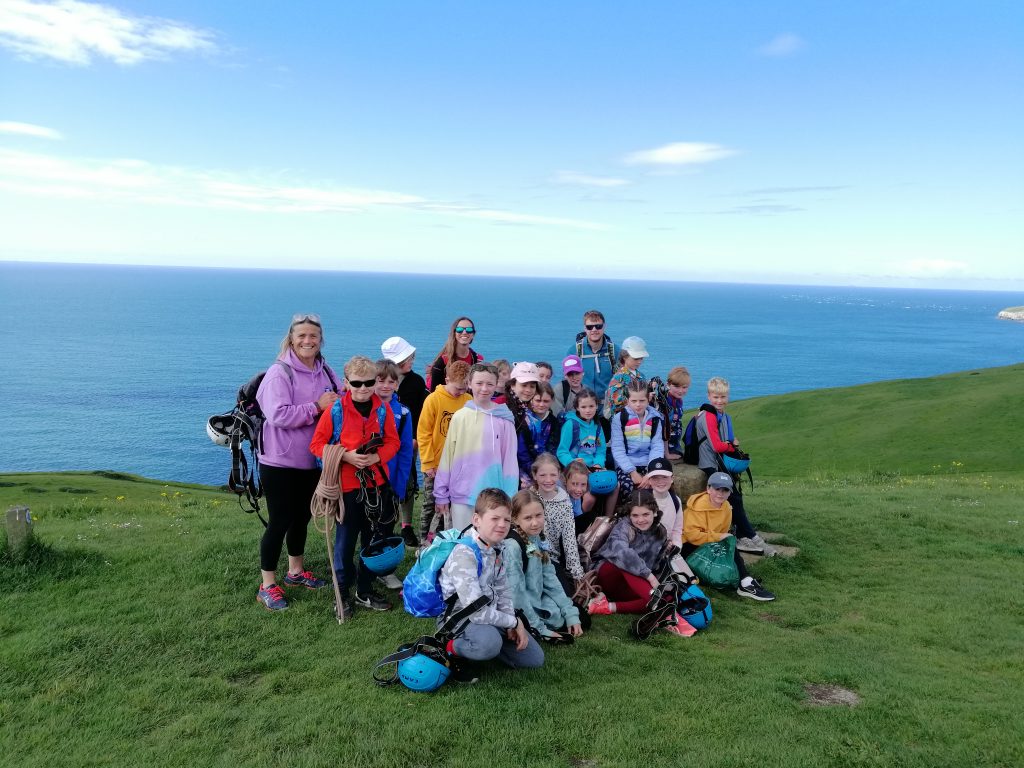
{"x":782,"y":45}
{"x":28,"y":129}
{"x":679,"y":153}
{"x":929,"y":267}
{"x":136,"y":181}
{"x":76,"y":32}
{"x":572,"y":178}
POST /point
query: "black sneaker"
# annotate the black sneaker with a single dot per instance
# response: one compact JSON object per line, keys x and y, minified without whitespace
{"x":347,"y":608}
{"x":409,"y":537}
{"x":462,"y":671}
{"x":373,"y":602}
{"x":755,"y":591}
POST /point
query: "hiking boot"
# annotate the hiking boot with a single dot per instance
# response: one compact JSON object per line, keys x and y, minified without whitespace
{"x":409,"y":537}
{"x":599,"y":606}
{"x":681,"y":628}
{"x":373,"y":601}
{"x":304,"y":579}
{"x":753,"y":545}
{"x":755,"y":591}
{"x":272,"y":598}
{"x":462,"y":671}
{"x":390,"y":581}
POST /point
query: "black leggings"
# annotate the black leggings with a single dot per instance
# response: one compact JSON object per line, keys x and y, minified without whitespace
{"x":688,"y":550}
{"x":287,"y":493}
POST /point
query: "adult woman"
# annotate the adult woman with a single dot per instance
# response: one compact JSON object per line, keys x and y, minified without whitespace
{"x":456,"y":347}
{"x":294,"y":392}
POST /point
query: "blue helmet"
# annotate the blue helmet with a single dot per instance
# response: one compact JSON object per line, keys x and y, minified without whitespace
{"x":425,"y":671}
{"x":603,"y":481}
{"x":735,"y":464}
{"x":382,"y":557}
{"x":694,"y":607}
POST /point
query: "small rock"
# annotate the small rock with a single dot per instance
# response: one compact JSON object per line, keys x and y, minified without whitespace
{"x":823,"y":695}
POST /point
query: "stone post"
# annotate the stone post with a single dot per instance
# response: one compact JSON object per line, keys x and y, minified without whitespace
{"x":19,"y":530}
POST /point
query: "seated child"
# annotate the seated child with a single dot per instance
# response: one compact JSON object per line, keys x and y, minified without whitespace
{"x":715,"y":437}
{"x":536,"y":590}
{"x":635,"y":547}
{"x":559,"y":525}
{"x":438,"y":409}
{"x":569,"y":387}
{"x":542,"y":429}
{"x":582,"y":439}
{"x":708,"y":518}
{"x":678,"y":381}
{"x":494,"y":631}
{"x":576,"y":477}
{"x":636,"y":438}
{"x":479,"y":451}
{"x":660,"y":479}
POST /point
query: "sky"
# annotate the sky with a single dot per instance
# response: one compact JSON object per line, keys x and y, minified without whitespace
{"x":876,"y":143}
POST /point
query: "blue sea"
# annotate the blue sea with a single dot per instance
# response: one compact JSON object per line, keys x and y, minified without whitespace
{"x":110,"y":367}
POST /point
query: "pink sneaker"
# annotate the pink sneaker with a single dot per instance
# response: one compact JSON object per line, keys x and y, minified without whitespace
{"x":599,"y":606}
{"x":681,"y":627}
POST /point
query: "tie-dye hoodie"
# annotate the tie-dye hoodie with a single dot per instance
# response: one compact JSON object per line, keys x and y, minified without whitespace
{"x":479,"y":452}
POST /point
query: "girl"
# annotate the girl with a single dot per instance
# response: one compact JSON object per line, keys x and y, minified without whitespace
{"x":542,"y":429}
{"x":456,"y":347}
{"x":634,"y":548}
{"x":519,"y":391}
{"x":559,"y":526}
{"x":631,"y":354}
{"x":636,"y":438}
{"x":536,"y":590}
{"x":577,"y":479}
{"x":504,"y":369}
{"x":582,"y":437}
{"x":479,"y":451}
{"x":478,"y":568}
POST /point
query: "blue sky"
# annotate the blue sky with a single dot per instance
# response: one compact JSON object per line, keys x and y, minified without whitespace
{"x":796,"y":142}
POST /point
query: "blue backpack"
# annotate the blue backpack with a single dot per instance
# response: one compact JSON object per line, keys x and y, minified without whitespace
{"x":338,"y":420}
{"x":421,"y":590}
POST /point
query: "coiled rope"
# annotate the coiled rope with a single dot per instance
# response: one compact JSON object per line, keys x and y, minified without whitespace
{"x":327,"y":508}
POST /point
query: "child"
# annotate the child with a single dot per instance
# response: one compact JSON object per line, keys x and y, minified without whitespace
{"x":479,"y":451}
{"x":504,"y":369}
{"x":570,"y":387}
{"x":494,"y":631}
{"x":678,"y":385}
{"x":559,"y":525}
{"x":715,"y":437}
{"x":708,"y":518}
{"x":581,"y":436}
{"x":633,"y":352}
{"x":636,"y":438}
{"x":401,"y":466}
{"x":544,"y":371}
{"x":634,"y":549}
{"x":542,"y":430}
{"x":438,"y":409}
{"x":536,"y":590}
{"x":584,"y":504}
{"x":659,"y":478}
{"x":353,"y":419}
{"x":519,"y":391}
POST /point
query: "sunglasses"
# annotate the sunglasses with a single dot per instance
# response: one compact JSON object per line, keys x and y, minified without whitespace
{"x":310,"y":318}
{"x":594,"y":326}
{"x":360,"y":384}
{"x":465,"y":329}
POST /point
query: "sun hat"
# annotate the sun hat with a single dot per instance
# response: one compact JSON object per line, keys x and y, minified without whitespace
{"x":634,"y":346}
{"x":659,"y":466}
{"x":524,"y":372}
{"x":720,"y":480}
{"x":396,"y":349}
{"x":571,"y":364}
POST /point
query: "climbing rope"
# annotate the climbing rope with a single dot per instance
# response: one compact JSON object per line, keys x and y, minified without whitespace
{"x":327,"y":509}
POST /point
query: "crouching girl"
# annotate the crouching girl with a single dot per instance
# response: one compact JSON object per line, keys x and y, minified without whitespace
{"x":477,"y":568}
{"x":536,"y":590}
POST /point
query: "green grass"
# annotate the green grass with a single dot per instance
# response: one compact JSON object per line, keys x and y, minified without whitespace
{"x":131,"y":633}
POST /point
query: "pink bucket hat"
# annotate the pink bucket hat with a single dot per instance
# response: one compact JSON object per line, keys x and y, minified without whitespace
{"x":524,"y":372}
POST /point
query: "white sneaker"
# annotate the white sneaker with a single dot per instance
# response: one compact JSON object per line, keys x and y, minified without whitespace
{"x":390,"y":581}
{"x":753,"y":545}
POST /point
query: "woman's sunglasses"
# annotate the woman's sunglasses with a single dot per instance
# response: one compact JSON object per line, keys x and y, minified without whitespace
{"x":309,"y":318}
{"x":465,"y":329}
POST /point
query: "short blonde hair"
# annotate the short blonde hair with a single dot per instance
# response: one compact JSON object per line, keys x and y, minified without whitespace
{"x":679,"y":376}
{"x":718,"y":385}
{"x":360,"y":367}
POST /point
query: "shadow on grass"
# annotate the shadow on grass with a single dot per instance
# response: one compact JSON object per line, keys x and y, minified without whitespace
{"x":43,"y":561}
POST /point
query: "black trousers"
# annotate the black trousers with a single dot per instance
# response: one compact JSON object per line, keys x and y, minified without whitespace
{"x":288,"y":493}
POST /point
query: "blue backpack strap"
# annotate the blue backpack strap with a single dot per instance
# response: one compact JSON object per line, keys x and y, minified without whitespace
{"x":728,"y":426}
{"x":382,"y":413}
{"x":575,"y":444}
{"x":337,"y":418}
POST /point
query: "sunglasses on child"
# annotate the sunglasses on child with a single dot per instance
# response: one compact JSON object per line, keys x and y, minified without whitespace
{"x":594,"y":326}
{"x":465,"y":329}
{"x":360,"y":384}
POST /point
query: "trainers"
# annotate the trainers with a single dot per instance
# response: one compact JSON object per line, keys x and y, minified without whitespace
{"x":373,"y":602}
{"x":681,"y":628}
{"x":462,"y":671}
{"x":390,"y":581}
{"x":347,"y":608}
{"x":599,"y":606}
{"x":409,"y":537}
{"x":753,"y":545}
{"x":303,"y":579}
{"x":272,"y":598}
{"x":755,"y":591}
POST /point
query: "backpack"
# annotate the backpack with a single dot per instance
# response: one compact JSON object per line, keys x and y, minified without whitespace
{"x":624,"y":417}
{"x":421,"y":589}
{"x":691,"y":443}
{"x":579,"y":349}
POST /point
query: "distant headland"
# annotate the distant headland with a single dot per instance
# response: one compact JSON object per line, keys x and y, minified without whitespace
{"x":1012,"y":313}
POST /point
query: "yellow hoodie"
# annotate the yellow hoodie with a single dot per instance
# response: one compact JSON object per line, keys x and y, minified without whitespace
{"x":702,"y":522}
{"x":438,"y":409}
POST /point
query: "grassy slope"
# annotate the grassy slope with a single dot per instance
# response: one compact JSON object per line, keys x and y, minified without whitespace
{"x":133,"y":635}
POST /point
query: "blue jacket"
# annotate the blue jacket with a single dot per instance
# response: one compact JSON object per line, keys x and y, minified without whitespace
{"x":640,"y":442}
{"x":598,"y":367}
{"x":590,"y":444}
{"x":538,"y":436}
{"x":401,"y":465}
{"x":536,"y":591}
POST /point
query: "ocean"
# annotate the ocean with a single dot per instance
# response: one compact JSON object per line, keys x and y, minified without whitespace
{"x":112,"y":367}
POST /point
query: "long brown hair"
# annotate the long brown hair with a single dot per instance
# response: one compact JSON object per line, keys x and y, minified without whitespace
{"x":447,"y":352}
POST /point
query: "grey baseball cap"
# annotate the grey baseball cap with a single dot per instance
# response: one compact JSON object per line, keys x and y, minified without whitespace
{"x":720,"y":480}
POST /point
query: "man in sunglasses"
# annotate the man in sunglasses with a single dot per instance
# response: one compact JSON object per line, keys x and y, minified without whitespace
{"x":596,"y":352}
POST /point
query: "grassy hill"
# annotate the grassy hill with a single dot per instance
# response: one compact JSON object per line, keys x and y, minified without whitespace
{"x":131,"y":635}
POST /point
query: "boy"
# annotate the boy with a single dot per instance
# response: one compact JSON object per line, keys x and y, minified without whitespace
{"x":504,"y":368}
{"x":544,"y":371}
{"x":708,"y":518}
{"x":678,"y":381}
{"x":438,"y":409}
{"x":476,"y":569}
{"x":401,"y":466}
{"x":572,"y":383}
{"x":479,"y":451}
{"x":715,"y":437}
